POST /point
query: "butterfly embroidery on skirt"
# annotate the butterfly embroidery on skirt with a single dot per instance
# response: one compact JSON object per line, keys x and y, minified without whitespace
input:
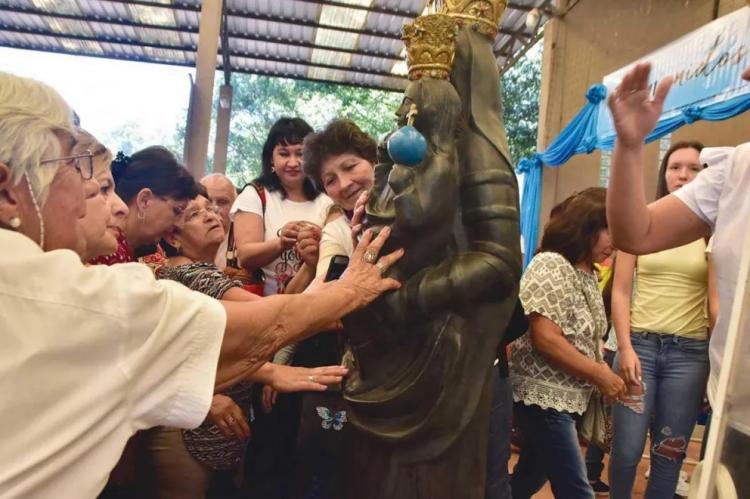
{"x":330,"y":418}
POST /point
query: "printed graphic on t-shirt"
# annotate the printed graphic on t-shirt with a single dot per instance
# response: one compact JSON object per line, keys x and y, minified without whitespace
{"x":288,"y":265}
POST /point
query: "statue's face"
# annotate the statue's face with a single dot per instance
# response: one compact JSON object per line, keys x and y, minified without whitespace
{"x":410,"y":97}
{"x":424,"y":195}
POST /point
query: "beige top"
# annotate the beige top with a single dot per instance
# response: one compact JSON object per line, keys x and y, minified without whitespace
{"x":670,"y":292}
{"x":89,"y":356}
{"x":335,"y":240}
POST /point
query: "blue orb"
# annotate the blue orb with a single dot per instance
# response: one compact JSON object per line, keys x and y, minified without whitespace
{"x":406,"y":146}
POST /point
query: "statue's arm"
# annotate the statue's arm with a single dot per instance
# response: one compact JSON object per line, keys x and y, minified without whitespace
{"x":490,"y":268}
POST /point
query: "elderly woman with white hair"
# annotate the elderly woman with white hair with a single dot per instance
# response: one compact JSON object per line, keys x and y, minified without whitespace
{"x":92,"y":354}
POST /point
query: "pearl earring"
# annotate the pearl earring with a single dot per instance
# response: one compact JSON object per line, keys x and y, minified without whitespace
{"x":14,"y":222}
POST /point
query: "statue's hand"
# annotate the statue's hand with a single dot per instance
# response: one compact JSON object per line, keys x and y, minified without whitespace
{"x":358,"y":217}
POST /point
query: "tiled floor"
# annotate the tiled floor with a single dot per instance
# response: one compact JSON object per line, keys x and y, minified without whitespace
{"x":641,"y":482}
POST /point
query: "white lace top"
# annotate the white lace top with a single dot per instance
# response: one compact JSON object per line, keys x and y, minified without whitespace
{"x":570,"y":298}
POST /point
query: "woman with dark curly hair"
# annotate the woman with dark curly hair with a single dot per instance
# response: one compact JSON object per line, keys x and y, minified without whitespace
{"x":554,"y":368}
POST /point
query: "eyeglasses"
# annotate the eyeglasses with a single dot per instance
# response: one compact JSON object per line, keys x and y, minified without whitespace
{"x":194,"y":215}
{"x":83,"y":163}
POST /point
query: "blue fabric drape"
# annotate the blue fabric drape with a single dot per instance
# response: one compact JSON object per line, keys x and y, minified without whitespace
{"x":579,"y":136}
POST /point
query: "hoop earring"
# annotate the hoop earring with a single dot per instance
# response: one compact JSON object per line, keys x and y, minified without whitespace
{"x":14,"y":223}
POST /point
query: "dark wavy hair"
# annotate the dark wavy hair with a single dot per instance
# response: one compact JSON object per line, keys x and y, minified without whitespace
{"x":152,"y":168}
{"x":340,"y":136}
{"x":661,"y":182}
{"x":288,"y":132}
{"x":575,"y":224}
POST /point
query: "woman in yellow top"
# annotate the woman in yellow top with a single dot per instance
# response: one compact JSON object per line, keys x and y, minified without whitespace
{"x":659,"y":304}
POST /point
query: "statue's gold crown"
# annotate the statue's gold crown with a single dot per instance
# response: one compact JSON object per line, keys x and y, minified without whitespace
{"x":430,"y":46}
{"x":482,"y":16}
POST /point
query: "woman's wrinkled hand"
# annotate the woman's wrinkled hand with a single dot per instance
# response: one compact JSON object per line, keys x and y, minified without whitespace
{"x":365,"y":273}
{"x":228,"y":417}
{"x":634,"y":112}
{"x":630,"y":366}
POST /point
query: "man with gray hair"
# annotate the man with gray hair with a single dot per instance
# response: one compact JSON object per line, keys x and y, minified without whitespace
{"x":222,"y":192}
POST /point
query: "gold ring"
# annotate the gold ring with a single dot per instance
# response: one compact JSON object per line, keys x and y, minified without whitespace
{"x":370,"y":256}
{"x":311,"y":379}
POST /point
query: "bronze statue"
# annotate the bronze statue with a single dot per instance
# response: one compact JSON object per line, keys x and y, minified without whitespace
{"x":421,"y":357}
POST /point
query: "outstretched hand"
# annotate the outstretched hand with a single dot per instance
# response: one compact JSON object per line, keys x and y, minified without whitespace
{"x":634,"y":112}
{"x":365,"y":272}
{"x":287,"y":379}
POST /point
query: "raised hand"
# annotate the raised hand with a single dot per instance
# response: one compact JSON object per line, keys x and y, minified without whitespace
{"x":634,"y":112}
{"x":228,"y":417}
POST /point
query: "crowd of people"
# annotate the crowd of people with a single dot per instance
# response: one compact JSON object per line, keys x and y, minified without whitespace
{"x":169,"y":338}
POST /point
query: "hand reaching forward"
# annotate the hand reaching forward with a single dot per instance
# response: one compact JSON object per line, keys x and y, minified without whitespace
{"x":633,"y":111}
{"x":365,"y":272}
{"x":286,"y":379}
{"x":228,"y":417}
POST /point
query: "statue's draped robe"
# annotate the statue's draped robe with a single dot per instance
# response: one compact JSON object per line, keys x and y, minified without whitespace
{"x":422,"y":356}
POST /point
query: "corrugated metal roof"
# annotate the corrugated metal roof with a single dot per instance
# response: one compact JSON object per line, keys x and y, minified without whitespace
{"x":353,"y":42}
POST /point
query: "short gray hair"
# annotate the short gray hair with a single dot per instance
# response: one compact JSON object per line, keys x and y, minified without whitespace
{"x":32,"y":115}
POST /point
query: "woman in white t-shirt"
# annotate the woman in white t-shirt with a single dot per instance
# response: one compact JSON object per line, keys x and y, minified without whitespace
{"x":269,"y":216}
{"x":268,"y":220}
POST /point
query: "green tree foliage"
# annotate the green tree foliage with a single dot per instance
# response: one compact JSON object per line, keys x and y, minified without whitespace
{"x":521,"y":85}
{"x":260,"y":100}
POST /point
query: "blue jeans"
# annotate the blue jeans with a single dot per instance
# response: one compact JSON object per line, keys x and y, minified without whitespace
{"x":675,"y":371}
{"x":551,"y":452}
{"x":498,"y":440}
